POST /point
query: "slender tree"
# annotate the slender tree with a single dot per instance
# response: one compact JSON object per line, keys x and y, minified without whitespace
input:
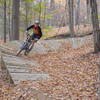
{"x":40,"y":10}
{"x":95,"y":24}
{"x":26,"y":15}
{"x":15,"y":19}
{"x":5,"y":21}
{"x":44,"y":11}
{"x":71,"y":16}
{"x":88,"y":10}
{"x":52,"y":4}
{"x":9,"y":19}
{"x":77,"y":14}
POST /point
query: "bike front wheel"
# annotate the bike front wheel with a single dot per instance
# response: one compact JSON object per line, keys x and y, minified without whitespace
{"x":18,"y":53}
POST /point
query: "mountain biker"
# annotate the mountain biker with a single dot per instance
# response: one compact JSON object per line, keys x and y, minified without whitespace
{"x":36,"y":35}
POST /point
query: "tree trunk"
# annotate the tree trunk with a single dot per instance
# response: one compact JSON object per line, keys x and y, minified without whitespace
{"x":52,"y":4}
{"x":71,"y":16}
{"x":5,"y":21}
{"x":40,"y":11}
{"x":15,"y":19}
{"x":26,"y":15}
{"x":88,"y":10}
{"x":77,"y":17}
{"x":44,"y":12}
{"x":9,"y":19}
{"x":95,"y":23}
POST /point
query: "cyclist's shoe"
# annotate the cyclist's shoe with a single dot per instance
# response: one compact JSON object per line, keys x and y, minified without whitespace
{"x":25,"y":53}
{"x":28,"y":51}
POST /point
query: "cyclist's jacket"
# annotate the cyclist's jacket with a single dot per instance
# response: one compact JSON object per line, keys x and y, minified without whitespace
{"x":36,"y":30}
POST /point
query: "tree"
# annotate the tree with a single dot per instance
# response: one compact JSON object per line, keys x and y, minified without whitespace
{"x":88,"y":10}
{"x":9,"y":18}
{"x":40,"y":11}
{"x":77,"y":17}
{"x":5,"y":21}
{"x":95,"y":24}
{"x":44,"y":12}
{"x":26,"y":15}
{"x":52,"y":4}
{"x":71,"y":16}
{"x":15,"y":19}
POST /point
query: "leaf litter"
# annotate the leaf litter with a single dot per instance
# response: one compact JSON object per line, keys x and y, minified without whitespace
{"x":73,"y":76}
{"x":73,"y":73}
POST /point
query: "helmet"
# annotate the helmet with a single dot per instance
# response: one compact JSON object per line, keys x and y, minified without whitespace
{"x":37,"y":22}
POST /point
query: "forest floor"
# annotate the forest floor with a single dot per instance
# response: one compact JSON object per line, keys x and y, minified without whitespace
{"x":73,"y":75}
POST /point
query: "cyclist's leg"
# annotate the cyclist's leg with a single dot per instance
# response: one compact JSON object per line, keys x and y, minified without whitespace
{"x":32,"y":45}
{"x":34,"y":40}
{"x":32,"y":37}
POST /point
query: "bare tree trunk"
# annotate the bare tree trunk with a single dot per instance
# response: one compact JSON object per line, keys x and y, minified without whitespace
{"x":44,"y":12}
{"x":95,"y":24}
{"x":9,"y":19}
{"x":71,"y":16}
{"x":5,"y":21}
{"x":77,"y":17}
{"x":26,"y":7}
{"x":15,"y":19}
{"x":88,"y":10}
{"x":40,"y":12}
{"x":12,"y":17}
{"x":52,"y":4}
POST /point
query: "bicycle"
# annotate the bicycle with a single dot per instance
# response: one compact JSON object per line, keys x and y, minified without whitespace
{"x":25,"y":46}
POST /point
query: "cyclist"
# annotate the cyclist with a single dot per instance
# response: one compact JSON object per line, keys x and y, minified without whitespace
{"x":36,"y":35}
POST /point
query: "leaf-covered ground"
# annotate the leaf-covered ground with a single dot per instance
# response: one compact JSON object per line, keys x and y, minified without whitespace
{"x":73,"y":73}
{"x":73,"y":76}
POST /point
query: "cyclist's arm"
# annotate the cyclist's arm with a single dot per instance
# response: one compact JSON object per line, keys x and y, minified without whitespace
{"x":30,"y":27}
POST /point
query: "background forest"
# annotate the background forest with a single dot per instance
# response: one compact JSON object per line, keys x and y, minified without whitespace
{"x":16,"y":16}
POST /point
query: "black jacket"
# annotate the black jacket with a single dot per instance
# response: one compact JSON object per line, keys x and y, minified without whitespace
{"x":36,"y":30}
